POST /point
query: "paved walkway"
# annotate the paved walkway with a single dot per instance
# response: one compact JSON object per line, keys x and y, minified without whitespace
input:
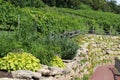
{"x":104,"y":73}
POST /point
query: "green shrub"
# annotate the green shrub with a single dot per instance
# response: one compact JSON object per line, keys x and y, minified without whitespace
{"x":68,"y":49}
{"x":42,"y":53}
{"x":19,"y":61}
{"x":8,"y":44}
{"x":65,"y":47}
{"x":27,"y":3}
{"x":57,"y":61}
{"x":84,"y":7}
{"x":86,"y":77}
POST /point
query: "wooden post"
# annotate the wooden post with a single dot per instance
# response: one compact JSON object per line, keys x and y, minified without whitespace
{"x":93,"y":30}
{"x":110,"y":32}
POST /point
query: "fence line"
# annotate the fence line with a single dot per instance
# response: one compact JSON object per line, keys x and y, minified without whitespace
{"x":77,"y":32}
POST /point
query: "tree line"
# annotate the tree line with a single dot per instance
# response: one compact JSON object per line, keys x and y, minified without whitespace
{"x":103,"y":5}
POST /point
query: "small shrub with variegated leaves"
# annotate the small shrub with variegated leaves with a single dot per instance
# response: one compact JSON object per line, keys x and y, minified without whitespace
{"x":19,"y":61}
{"x":57,"y":61}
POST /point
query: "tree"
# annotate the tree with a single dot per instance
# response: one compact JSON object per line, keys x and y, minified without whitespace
{"x":113,"y":4}
{"x":63,"y":3}
{"x":27,"y":3}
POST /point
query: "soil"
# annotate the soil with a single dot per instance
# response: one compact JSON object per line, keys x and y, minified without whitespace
{"x":5,"y":74}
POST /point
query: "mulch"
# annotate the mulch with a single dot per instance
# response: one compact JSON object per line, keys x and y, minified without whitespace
{"x":104,"y":73}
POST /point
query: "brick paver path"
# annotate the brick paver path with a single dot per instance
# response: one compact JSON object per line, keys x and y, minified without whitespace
{"x":104,"y":73}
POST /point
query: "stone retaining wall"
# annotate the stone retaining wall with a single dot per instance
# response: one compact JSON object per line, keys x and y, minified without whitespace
{"x":117,"y":64}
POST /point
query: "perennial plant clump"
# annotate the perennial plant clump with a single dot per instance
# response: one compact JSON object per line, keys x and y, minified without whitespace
{"x":57,"y":61}
{"x":19,"y":61}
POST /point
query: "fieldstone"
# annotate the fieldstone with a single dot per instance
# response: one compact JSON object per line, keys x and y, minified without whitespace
{"x":67,"y":61}
{"x":47,"y":78}
{"x":10,"y":79}
{"x":6,"y":79}
{"x":56,"y":71}
{"x":64,"y":77}
{"x":109,"y":52}
{"x":79,"y":52}
{"x":118,"y":46}
{"x":66,"y":71}
{"x":44,"y":66}
{"x":45,"y":72}
{"x":25,"y":74}
{"x":72,"y":73}
{"x":72,"y":64}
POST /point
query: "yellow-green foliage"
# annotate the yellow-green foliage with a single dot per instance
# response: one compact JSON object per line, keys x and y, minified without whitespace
{"x":57,"y":61}
{"x":19,"y":61}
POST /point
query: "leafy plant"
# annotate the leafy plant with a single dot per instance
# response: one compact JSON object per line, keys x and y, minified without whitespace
{"x":42,"y":53}
{"x":8,"y":44}
{"x":68,"y":49}
{"x":19,"y":61}
{"x":26,"y":3}
{"x":57,"y":61}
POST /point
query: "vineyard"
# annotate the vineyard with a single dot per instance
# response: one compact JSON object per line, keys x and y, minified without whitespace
{"x":58,"y":20}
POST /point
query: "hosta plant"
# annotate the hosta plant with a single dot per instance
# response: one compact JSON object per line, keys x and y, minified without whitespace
{"x":19,"y":61}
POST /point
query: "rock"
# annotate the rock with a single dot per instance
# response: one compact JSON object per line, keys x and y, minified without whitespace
{"x":109,"y":52}
{"x":72,"y":64}
{"x":77,"y":58}
{"x":44,"y":66}
{"x":10,"y":79}
{"x":56,"y":71}
{"x":64,"y":77}
{"x":26,"y":74}
{"x":45,"y":72}
{"x":67,"y":61}
{"x":6,"y":79}
{"x":66,"y":71}
{"x":79,"y":52}
{"x":72,"y":73}
{"x":47,"y":78}
{"x":118,"y":46}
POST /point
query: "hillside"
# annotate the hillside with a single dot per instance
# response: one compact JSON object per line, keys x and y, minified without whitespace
{"x":58,"y":20}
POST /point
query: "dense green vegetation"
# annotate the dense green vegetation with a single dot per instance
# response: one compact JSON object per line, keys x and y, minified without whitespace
{"x":36,"y":30}
{"x":27,"y":3}
{"x":104,"y":5}
{"x":56,"y":61}
{"x":19,"y":61}
{"x":70,"y":19}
